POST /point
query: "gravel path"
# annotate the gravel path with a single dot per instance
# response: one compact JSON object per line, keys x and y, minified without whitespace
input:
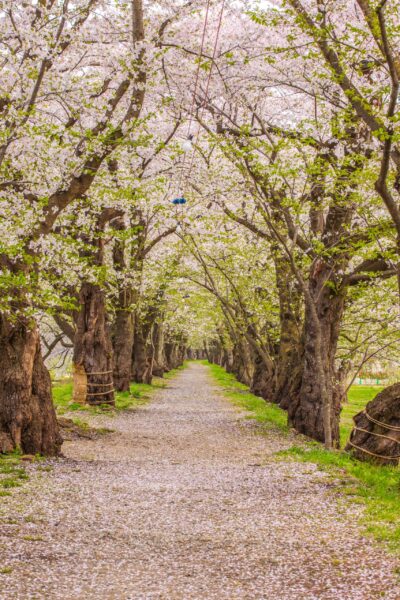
{"x":185,"y":501}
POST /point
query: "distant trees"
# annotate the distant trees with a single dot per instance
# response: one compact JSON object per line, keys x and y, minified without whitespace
{"x":284,"y":261}
{"x":309,"y":120}
{"x":73,"y":89}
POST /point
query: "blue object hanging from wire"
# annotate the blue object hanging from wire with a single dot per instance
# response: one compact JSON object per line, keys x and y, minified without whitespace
{"x":179,"y":201}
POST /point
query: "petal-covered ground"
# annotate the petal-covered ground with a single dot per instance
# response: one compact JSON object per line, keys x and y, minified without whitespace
{"x":185,"y":501}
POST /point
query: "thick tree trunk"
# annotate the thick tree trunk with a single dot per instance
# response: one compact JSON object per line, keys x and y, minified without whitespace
{"x":237,"y":366}
{"x":376,"y":435}
{"x":27,"y":416}
{"x":289,"y":382}
{"x":227,"y":360}
{"x":169,"y":349}
{"x":317,"y":404}
{"x":263,"y":382}
{"x":159,"y":366}
{"x":143,"y":355}
{"x":182,"y":351}
{"x":289,"y":358}
{"x":123,"y":340}
{"x":173,"y":355}
{"x":93,"y":348}
{"x":124,"y":324}
{"x":241,"y":364}
{"x":290,"y":363}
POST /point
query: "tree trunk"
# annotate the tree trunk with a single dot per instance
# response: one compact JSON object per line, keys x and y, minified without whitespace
{"x":263,"y":382}
{"x":376,"y":435}
{"x":93,"y":348}
{"x":241,"y":365}
{"x":169,"y":354}
{"x":182,"y":350}
{"x":143,"y":355}
{"x":236,"y":362}
{"x":308,"y":409}
{"x":227,"y":360}
{"x":27,"y":416}
{"x":172,"y":354}
{"x":123,"y":340}
{"x":216,"y":353}
{"x":289,"y":358}
{"x":289,"y":382}
{"x":206,"y":352}
{"x":124,"y":324}
{"x":342,"y":377}
{"x":159,"y":366}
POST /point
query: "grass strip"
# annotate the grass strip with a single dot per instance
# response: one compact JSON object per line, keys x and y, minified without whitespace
{"x":264,"y":412}
{"x":138,"y":394}
{"x":377,"y":488}
{"x":12,"y":473}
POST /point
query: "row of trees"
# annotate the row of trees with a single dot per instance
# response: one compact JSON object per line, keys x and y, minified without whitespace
{"x":305,"y":110}
{"x":81,"y":165}
{"x":283,"y":265}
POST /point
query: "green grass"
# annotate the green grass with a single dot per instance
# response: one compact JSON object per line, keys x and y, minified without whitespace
{"x":139,"y":394}
{"x":358,"y":398}
{"x":377,"y":488}
{"x":171,"y":374}
{"x":5,"y":570}
{"x":12,"y":474}
{"x":264,"y":412}
{"x":62,"y":396}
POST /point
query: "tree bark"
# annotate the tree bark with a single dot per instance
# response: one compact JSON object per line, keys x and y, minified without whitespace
{"x":182,"y":349}
{"x":308,"y":410}
{"x":174,"y":354}
{"x":124,"y":323}
{"x":159,"y":366}
{"x":123,"y":340}
{"x":376,"y":435}
{"x":27,"y":416}
{"x":289,"y":356}
{"x":143,"y":354}
{"x":241,"y":365}
{"x":228,"y":359}
{"x":263,"y":382}
{"x":170,"y":358}
{"x":289,"y":382}
{"x":93,"y":348}
{"x":216,"y":353}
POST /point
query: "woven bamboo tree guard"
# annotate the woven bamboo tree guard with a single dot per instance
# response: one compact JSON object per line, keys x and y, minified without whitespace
{"x":90,"y":392}
{"x":79,"y":384}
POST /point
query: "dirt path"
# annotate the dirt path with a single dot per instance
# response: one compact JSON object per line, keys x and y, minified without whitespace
{"x":185,"y":502}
